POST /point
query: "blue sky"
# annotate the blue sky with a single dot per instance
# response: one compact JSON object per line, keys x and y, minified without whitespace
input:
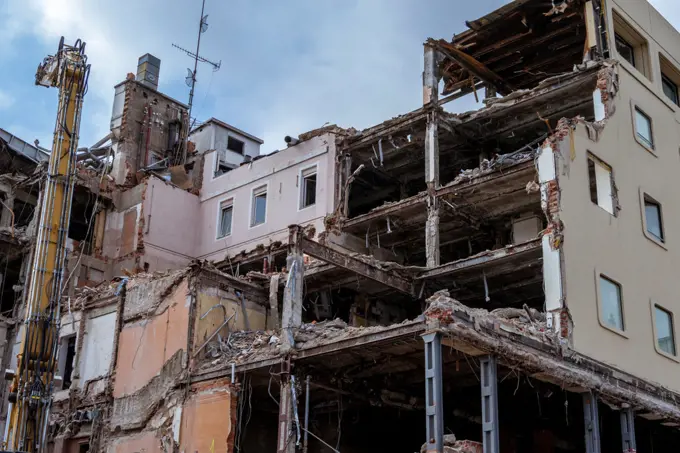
{"x":287,"y":66}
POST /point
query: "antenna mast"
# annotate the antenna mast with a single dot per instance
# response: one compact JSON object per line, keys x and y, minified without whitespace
{"x":191,"y":75}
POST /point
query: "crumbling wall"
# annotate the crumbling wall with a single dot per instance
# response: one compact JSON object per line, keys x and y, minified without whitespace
{"x":146,"y":442}
{"x":209,"y":418}
{"x":152,"y":333}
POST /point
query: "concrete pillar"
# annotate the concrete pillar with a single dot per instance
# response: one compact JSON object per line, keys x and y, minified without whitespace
{"x":285,"y":441}
{"x":431,"y":96}
{"x":292,"y":295}
{"x":7,"y":208}
{"x":430,"y":75}
{"x":273,"y":322}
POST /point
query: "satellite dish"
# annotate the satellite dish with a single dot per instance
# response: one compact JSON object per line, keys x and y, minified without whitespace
{"x":190,"y":77}
{"x":204,"y":23}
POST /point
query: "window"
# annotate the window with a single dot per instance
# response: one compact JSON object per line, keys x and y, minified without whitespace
{"x":665,"y":337}
{"x":226,"y":215}
{"x":653,"y":219}
{"x":308,"y":188}
{"x":235,"y":145}
{"x":625,"y":49}
{"x":610,"y":303}
{"x":631,"y":46}
{"x":670,"y":80}
{"x":601,"y":183}
{"x":670,"y":89}
{"x":643,"y":129}
{"x":259,"y":209}
{"x":67,"y":353}
{"x":221,"y":166}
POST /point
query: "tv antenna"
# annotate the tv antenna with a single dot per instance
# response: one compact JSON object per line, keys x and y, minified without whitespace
{"x":191,"y":75}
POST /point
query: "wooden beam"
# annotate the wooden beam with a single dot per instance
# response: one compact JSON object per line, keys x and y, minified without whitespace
{"x":356,"y":265}
{"x":473,"y":65}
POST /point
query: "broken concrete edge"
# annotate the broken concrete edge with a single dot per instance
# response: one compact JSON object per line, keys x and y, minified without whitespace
{"x":479,"y":332}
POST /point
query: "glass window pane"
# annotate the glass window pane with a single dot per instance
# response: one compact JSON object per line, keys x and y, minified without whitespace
{"x":670,"y":89}
{"x":309,"y":187}
{"x":643,"y":127}
{"x":610,"y":299}
{"x":653,"y":219}
{"x":664,"y":331}
{"x":259,"y":209}
{"x":625,"y":50}
{"x":225,"y":221}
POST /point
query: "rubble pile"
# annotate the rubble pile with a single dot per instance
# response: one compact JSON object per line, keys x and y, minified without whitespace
{"x":451,"y":445}
{"x":242,"y":346}
{"x":497,"y":162}
{"x":523,"y":321}
{"x":315,"y":334}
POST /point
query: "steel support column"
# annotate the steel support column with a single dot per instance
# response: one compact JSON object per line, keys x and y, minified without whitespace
{"x":592,"y":422}
{"x":434,"y":406}
{"x":628,"y":430}
{"x":489,"y":382}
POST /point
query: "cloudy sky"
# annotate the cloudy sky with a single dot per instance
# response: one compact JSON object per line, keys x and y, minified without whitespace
{"x":287,"y":66}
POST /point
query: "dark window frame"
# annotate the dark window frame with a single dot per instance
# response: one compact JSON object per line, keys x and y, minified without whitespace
{"x":236,"y":145}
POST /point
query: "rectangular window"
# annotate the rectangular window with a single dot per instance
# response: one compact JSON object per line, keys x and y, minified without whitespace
{"x":653,"y":219}
{"x":226,"y":215}
{"x":625,"y":49}
{"x":665,"y":336}
{"x":67,"y":353}
{"x":235,"y":145}
{"x":259,"y":208}
{"x":643,"y":128}
{"x":601,"y":184}
{"x":670,"y":79}
{"x":610,"y":303}
{"x":631,"y":46}
{"x":670,"y":89}
{"x":308,"y":188}
{"x":221,"y":166}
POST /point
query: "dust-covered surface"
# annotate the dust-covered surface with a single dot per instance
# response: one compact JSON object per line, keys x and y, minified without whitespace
{"x":245,"y":347}
{"x":452,"y":445}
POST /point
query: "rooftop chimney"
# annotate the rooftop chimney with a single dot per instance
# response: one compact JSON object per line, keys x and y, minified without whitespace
{"x":148,"y":69}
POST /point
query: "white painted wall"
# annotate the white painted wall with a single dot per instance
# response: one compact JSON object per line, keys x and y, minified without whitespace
{"x":281,"y":173}
{"x":213,"y":136}
{"x":97,"y":349}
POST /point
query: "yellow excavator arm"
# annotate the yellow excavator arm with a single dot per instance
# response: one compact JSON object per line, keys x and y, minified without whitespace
{"x":33,"y":380}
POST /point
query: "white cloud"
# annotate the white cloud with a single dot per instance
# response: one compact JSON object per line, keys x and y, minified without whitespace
{"x":290,"y":67}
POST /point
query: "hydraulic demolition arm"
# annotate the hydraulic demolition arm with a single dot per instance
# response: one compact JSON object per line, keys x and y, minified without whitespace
{"x":32,"y":383}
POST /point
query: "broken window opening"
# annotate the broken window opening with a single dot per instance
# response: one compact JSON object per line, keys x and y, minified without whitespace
{"x":67,"y":355}
{"x":625,"y":49}
{"x":611,"y":306}
{"x":643,"y":128}
{"x":665,"y":335}
{"x":653,"y":219}
{"x":308,"y":188}
{"x":83,"y":448}
{"x":670,"y":79}
{"x":601,"y":184}
{"x":631,"y":46}
{"x":235,"y":145}
{"x":226,"y":215}
{"x":221,"y":166}
{"x":259,"y":206}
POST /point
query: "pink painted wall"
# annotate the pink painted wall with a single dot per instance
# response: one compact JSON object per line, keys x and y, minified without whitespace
{"x":281,"y":173}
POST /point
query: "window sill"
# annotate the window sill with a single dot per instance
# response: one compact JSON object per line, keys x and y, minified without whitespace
{"x":665,"y":354}
{"x":646,"y":146}
{"x":655,"y":240}
{"x":610,"y":328}
{"x":306,"y":207}
{"x":256,"y":225}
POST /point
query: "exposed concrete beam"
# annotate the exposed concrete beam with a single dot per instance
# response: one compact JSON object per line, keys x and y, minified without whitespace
{"x":355,"y":265}
{"x":481,"y":259}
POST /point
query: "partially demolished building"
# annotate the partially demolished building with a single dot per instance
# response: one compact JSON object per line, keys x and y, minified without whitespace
{"x":495,"y":280}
